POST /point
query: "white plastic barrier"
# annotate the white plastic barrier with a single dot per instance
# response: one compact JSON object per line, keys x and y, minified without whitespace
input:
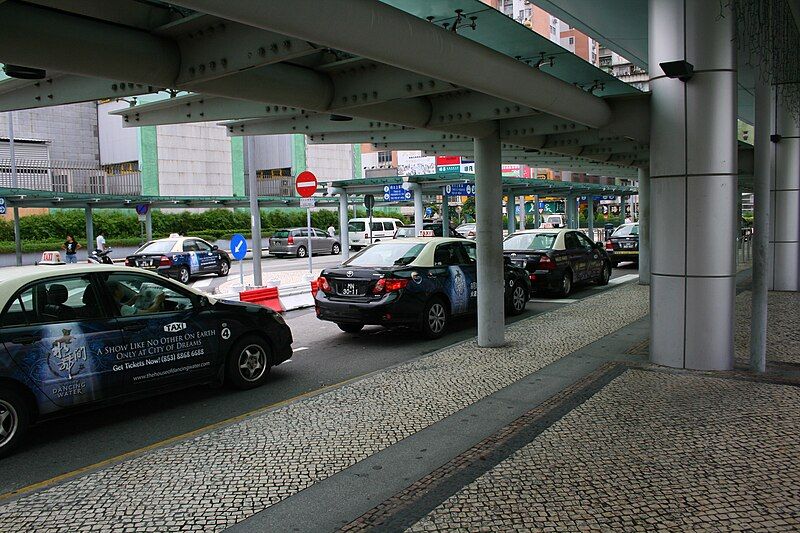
{"x":296,"y":296}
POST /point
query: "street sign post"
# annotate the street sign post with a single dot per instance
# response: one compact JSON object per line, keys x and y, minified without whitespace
{"x":306,"y":186}
{"x":460,"y":189}
{"x":395,"y":193}
{"x":141,"y":210}
{"x":369,"y":203}
{"x":2,"y":206}
{"x":238,"y":251}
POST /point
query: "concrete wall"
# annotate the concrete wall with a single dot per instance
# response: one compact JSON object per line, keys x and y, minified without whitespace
{"x":194,"y":159}
{"x":330,"y":161}
{"x":117,"y":144}
{"x":273,"y":151}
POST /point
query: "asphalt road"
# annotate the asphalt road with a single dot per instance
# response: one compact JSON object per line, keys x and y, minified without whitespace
{"x":323,"y":356}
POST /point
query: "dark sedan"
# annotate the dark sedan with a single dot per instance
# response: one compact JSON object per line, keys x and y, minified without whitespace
{"x":181,"y":258}
{"x":421,"y":283}
{"x":557,"y":259}
{"x":623,"y":245}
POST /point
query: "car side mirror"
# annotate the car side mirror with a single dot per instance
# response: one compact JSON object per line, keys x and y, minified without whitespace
{"x":214,"y":247}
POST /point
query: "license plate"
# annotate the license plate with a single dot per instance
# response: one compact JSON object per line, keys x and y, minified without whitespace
{"x":627,"y":245}
{"x":349,"y":289}
{"x":143,"y":263}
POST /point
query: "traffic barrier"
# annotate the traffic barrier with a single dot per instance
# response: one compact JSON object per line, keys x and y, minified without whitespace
{"x":266,"y":296}
{"x":296,"y":296}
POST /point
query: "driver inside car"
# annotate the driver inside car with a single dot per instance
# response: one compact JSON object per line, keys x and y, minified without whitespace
{"x":149,"y":299}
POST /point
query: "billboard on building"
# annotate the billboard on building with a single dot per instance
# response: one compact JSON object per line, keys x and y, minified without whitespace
{"x":413,"y":163}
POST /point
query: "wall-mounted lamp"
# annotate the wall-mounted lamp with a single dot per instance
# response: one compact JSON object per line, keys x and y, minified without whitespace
{"x":681,"y":69}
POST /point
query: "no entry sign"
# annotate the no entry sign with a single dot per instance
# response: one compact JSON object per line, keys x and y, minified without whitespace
{"x":306,"y":184}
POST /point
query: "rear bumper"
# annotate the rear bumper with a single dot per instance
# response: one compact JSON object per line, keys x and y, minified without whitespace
{"x":392,"y":310}
{"x":546,"y":280}
{"x":623,"y":255}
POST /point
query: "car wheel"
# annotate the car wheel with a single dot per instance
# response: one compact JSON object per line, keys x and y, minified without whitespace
{"x":184,"y":275}
{"x":435,"y":318}
{"x":224,"y":268}
{"x":614,"y":264}
{"x":350,"y":328}
{"x":605,"y":275}
{"x":517,"y":300}
{"x":336,"y":249}
{"x":301,"y":252}
{"x":248,"y":363}
{"x":566,"y":284}
{"x":15,"y":418}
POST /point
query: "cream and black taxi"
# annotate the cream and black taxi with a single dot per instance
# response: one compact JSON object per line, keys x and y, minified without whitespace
{"x":422,"y":283}
{"x":74,"y":337}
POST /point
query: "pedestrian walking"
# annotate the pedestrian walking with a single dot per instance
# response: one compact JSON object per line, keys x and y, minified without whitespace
{"x":71,"y":247}
{"x":331,"y":231}
{"x":101,"y":242}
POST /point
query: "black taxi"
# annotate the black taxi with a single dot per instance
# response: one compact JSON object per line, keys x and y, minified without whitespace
{"x":558,"y":259}
{"x":421,"y":283}
{"x":181,"y":258}
{"x":78,"y":336}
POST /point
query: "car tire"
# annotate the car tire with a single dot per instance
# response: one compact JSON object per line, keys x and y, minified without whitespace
{"x":435,"y":318}
{"x":336,"y":249}
{"x":517,"y":299}
{"x":224,"y":269}
{"x":184,"y":275}
{"x":605,"y":275}
{"x":566,"y":284}
{"x":248,"y":363}
{"x":15,"y":419}
{"x":350,"y":328}
{"x":301,"y":251}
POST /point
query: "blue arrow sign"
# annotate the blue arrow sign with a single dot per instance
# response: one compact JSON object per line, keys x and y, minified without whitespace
{"x":238,"y":246}
{"x":2,"y":206}
{"x":395,"y":193}
{"x":460,"y":189}
{"x":142,"y":209}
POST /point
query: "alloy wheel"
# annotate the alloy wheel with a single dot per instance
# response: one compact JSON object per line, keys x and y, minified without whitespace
{"x":252,"y":362}
{"x":184,"y":275}
{"x":224,"y":269}
{"x":437,"y":318}
{"x":518,"y":298}
{"x":9,"y":422}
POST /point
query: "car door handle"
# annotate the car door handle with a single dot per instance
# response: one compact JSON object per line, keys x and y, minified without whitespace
{"x":26,"y":339}
{"x":133,"y":327}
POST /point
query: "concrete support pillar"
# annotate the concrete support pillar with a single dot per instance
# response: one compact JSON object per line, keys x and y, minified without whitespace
{"x":89,"y":229}
{"x":17,"y":237}
{"x":489,"y":231}
{"x":590,"y":214}
{"x":693,"y":166}
{"x":537,"y":216}
{"x":445,"y":215}
{"x":622,"y":209}
{"x":510,"y":207}
{"x":523,"y":215}
{"x":344,"y":234}
{"x":784,"y":230}
{"x":14,"y":184}
{"x":644,"y":226}
{"x":762,"y":207}
{"x":570,"y":210}
{"x":255,"y":210}
{"x":148,"y":225}
{"x":419,"y":208}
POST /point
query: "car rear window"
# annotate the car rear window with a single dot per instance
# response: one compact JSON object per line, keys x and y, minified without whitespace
{"x":356,"y":226}
{"x":281,"y":234}
{"x":530,"y":241}
{"x":626,"y":231}
{"x":386,"y":254}
{"x":156,"y":247}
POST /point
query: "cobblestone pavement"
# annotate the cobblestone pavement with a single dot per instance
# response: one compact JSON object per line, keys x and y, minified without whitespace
{"x":783,"y":328}
{"x":651,"y":451}
{"x":214,"y":480}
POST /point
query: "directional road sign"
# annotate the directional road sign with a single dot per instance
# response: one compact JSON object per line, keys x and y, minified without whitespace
{"x":395,"y":193}
{"x":2,"y":206}
{"x":460,"y":189}
{"x":306,"y":184}
{"x":238,"y":246}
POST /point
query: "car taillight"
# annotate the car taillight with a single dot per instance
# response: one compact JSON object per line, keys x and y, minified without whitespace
{"x":609,"y":245}
{"x":323,"y":285}
{"x":389,"y":285}
{"x":290,"y":240}
{"x":165,"y":261}
{"x":546,"y":263}
{"x":532,"y":277}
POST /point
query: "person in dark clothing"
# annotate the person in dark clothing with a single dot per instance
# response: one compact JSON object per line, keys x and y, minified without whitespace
{"x":71,"y":247}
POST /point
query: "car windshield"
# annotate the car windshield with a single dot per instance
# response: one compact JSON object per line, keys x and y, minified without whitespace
{"x":405,"y":232}
{"x":355,"y":226}
{"x":530,"y":241}
{"x":626,"y":231}
{"x":387,"y":254}
{"x":156,"y":247}
{"x":554,"y":219}
{"x":281,"y":234}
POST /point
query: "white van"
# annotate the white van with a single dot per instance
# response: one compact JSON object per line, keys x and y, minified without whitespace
{"x":553,"y":221}
{"x":382,"y":229}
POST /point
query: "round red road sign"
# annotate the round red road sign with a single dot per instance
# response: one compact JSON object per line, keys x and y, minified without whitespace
{"x":306,"y":184}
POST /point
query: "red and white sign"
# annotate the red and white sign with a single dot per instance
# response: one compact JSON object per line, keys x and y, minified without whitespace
{"x":306,"y":184}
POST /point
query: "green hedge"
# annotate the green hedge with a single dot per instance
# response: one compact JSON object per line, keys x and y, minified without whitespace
{"x":7,"y":247}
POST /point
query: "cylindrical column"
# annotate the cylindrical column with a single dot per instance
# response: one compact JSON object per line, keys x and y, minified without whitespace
{"x":693,"y":167}
{"x":622,"y":209}
{"x":445,"y":215}
{"x":419,"y":208}
{"x":784,"y":240}
{"x":489,"y":230}
{"x":522,"y":213}
{"x":537,"y":220}
{"x":89,"y":229}
{"x":14,"y":184}
{"x":255,"y":210}
{"x":148,"y":225}
{"x":344,"y":233}
{"x":590,"y":214}
{"x":762,"y":207}
{"x":511,"y":204}
{"x":644,"y":226}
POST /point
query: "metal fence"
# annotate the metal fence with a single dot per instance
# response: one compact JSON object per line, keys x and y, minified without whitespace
{"x":69,"y":176}
{"x":272,"y":186}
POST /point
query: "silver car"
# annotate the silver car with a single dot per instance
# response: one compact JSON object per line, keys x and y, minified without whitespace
{"x":294,"y":241}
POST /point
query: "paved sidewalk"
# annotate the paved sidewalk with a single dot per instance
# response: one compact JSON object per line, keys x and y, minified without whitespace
{"x":783,"y":327}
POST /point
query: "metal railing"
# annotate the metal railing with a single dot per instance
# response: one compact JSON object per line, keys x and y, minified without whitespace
{"x":273,"y":186}
{"x":69,"y":176}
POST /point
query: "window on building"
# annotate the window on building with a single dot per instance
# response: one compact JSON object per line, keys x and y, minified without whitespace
{"x":572,"y":40}
{"x":384,"y":157}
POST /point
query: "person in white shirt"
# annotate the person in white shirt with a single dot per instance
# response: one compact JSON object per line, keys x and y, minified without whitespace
{"x":101,"y":241}
{"x":331,"y":230}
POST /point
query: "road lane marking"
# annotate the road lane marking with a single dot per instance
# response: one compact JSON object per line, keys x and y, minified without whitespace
{"x":623,"y":279}
{"x":553,"y":300}
{"x":300,"y":349}
{"x":203,"y":283}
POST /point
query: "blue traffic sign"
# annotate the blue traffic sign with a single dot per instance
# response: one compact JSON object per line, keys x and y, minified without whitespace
{"x":428,"y":212}
{"x":460,"y":189}
{"x":238,"y":246}
{"x":142,"y":209}
{"x":395,"y":193}
{"x":2,"y":206}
